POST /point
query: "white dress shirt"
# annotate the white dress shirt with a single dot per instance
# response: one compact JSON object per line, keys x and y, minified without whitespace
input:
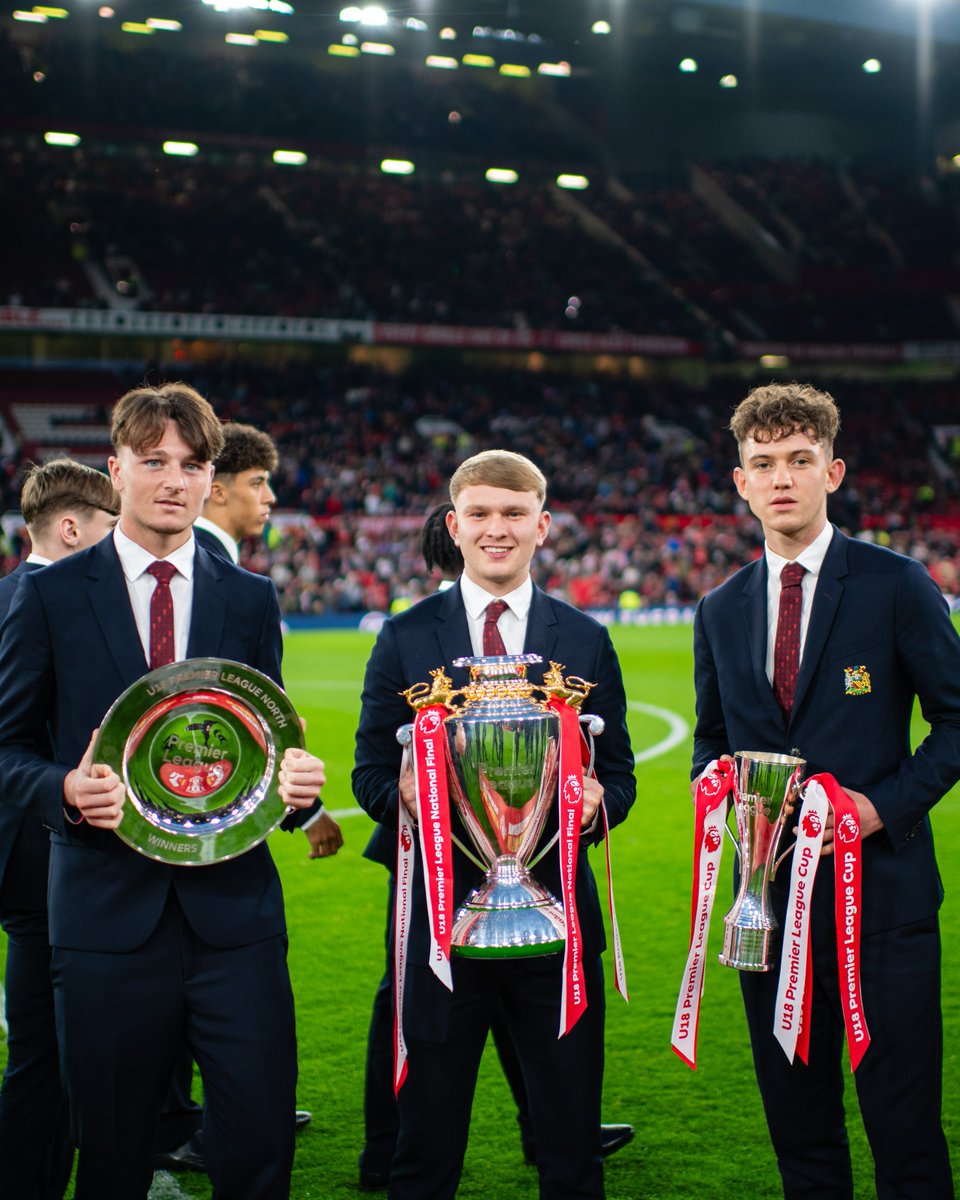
{"x":812,"y":558}
{"x":140,"y":587}
{"x":229,"y":544}
{"x":513,"y":620}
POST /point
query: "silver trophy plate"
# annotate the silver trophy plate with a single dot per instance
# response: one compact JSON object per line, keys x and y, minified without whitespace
{"x":198,"y":746}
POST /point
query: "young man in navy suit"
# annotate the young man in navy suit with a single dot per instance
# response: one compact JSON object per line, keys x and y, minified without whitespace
{"x":875,"y":635}
{"x":66,"y":507}
{"x":238,"y":507}
{"x":144,"y":953}
{"x":498,"y":522}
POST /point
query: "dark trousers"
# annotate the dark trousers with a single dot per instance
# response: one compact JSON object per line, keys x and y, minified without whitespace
{"x":36,"y":1152}
{"x":380,"y":1117}
{"x":121,"y":1019}
{"x":898,"y":1082}
{"x":563,"y":1076}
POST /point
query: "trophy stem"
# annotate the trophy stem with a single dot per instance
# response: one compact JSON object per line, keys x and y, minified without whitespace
{"x":750,"y":927}
{"x":510,"y":915}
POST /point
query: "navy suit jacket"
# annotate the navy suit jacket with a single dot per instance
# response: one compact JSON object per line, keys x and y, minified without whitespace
{"x":24,"y":843}
{"x":872,"y":610}
{"x":68,"y":649}
{"x":210,"y":542}
{"x":435,"y":632}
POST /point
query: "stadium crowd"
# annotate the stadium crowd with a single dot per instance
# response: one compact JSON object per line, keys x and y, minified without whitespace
{"x":639,"y":255}
{"x":645,"y":511}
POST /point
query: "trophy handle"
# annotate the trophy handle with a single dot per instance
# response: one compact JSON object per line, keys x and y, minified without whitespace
{"x":593,"y":726}
{"x":798,"y":794}
{"x":405,"y":735}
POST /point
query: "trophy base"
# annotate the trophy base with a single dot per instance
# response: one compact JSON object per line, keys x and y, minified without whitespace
{"x":510,"y":916}
{"x":748,"y":949}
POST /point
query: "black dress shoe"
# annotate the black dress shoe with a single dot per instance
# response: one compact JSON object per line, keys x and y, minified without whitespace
{"x":374,"y":1181}
{"x":612,"y":1139}
{"x":188,"y":1157}
{"x":303,"y":1118}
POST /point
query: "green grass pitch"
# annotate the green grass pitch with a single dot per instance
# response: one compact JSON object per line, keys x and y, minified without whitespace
{"x":698,"y":1133}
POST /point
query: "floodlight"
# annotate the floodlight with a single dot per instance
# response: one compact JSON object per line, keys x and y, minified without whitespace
{"x":181,"y":149}
{"x":169,"y":26}
{"x":62,"y":139}
{"x":396,"y":166}
{"x":872,"y":66}
{"x":689,"y":65}
{"x":340,"y":51}
{"x":441,"y":62}
{"x":377,"y":48}
{"x":573,"y":183}
{"x":271,"y":35}
{"x":37,"y":18}
{"x":447,"y":34}
{"x":290,"y":158}
{"x":56,"y":14}
{"x":241,"y":39}
{"x":558,"y":68}
{"x":515,"y":70}
{"x":600,"y":27}
{"x":501,"y":175}
{"x":729,"y":81}
{"x":478,"y":60}
{"x":136,"y":27}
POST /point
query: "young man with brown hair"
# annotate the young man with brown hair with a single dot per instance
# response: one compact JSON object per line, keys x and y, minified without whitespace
{"x":66,"y":507}
{"x":145,"y":953}
{"x":868,"y":634}
{"x":498,"y":522}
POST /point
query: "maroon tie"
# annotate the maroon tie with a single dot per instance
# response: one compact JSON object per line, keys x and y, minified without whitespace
{"x":492,"y":641}
{"x":786,"y":652}
{"x":162,"y":649}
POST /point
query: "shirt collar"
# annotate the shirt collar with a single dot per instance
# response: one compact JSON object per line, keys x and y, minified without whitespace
{"x":39,"y":559}
{"x":811,"y":556}
{"x":229,"y":543}
{"x":134,"y":559}
{"x":476,"y":598}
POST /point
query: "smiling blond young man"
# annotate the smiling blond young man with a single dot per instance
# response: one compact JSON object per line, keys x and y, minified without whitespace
{"x":498,"y":522}
{"x":146,"y":954}
{"x":873,"y":636}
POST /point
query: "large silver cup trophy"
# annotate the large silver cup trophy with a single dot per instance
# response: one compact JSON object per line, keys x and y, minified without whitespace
{"x":765,"y":792}
{"x":503,"y":744}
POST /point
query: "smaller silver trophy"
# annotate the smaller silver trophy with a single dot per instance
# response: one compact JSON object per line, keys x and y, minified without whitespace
{"x":503,"y":743}
{"x":765,"y":792}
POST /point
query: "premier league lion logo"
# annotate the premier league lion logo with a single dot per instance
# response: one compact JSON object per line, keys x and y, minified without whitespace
{"x":848,"y":830}
{"x":811,"y":824}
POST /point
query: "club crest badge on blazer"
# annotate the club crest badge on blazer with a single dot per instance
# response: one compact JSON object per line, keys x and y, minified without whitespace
{"x":856,"y":681}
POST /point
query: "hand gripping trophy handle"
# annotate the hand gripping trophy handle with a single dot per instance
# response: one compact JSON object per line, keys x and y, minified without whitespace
{"x":766,"y":790}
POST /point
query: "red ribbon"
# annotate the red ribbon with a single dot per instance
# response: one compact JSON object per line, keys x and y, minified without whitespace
{"x":429,"y":756}
{"x":573,"y":1002}
{"x":433,"y":811}
{"x":795,"y":962}
{"x":713,"y":788}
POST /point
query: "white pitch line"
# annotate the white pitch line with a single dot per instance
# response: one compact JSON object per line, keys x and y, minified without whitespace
{"x":678,"y":731}
{"x":165,"y":1187}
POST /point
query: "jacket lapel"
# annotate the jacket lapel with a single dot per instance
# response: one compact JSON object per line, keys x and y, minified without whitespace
{"x":754,"y":608}
{"x":541,"y":630}
{"x":453,"y":634}
{"x":826,"y":601}
{"x":209,"y":610}
{"x":110,"y":602}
